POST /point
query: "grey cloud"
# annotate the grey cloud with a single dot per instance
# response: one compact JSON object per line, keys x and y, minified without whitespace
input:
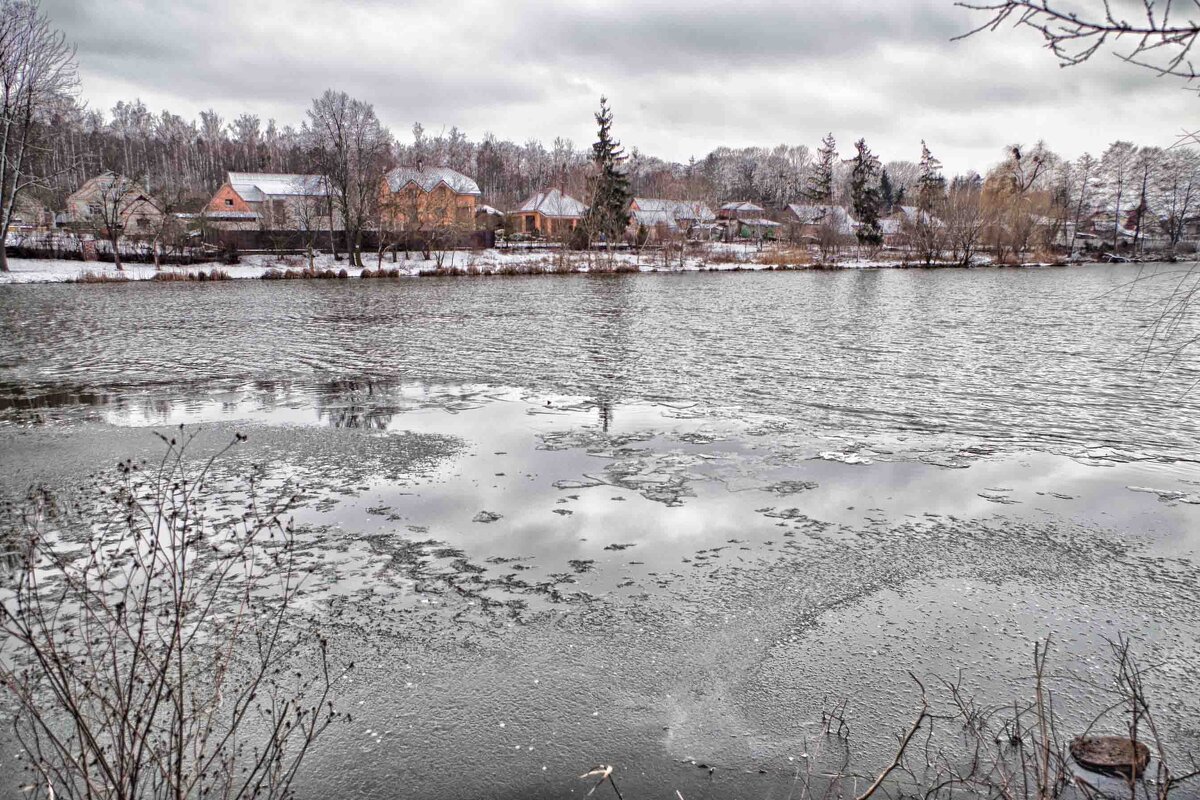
{"x":684,"y":76}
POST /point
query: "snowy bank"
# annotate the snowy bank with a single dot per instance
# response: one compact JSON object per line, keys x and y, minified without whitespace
{"x":500,"y":261}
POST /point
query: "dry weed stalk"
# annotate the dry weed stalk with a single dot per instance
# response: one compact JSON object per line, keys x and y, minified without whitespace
{"x":148,"y":653}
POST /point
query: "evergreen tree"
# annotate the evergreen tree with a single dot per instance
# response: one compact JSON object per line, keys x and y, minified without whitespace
{"x":864,"y":193}
{"x":608,"y":215}
{"x":887,"y":195}
{"x":931,"y":186}
{"x":820,"y":183}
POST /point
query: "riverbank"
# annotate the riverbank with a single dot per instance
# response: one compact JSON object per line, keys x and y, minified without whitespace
{"x":715,"y":258}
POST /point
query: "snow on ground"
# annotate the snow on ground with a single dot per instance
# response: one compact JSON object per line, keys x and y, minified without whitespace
{"x":715,"y":256}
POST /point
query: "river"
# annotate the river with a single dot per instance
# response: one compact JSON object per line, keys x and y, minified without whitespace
{"x":719,"y":503}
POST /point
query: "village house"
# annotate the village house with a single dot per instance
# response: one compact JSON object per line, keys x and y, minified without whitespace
{"x":488,"y":218}
{"x":896,"y":228}
{"x":742,"y":209}
{"x":425,"y":198}
{"x":271,"y":202}
{"x":818,"y":222}
{"x":30,"y":215}
{"x":684,"y":213}
{"x":660,"y":217}
{"x":549,"y":213}
{"x":113,"y":200}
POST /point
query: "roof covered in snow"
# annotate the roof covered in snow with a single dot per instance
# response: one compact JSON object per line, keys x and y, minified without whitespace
{"x":483,"y":208}
{"x":654,"y":218}
{"x":819,"y":214}
{"x":553,"y":204}
{"x":912,"y":214}
{"x":429,"y":178}
{"x":680,"y":210}
{"x":743,"y":206}
{"x":255,"y":187}
{"x":761,"y":222}
{"x":220,"y":215}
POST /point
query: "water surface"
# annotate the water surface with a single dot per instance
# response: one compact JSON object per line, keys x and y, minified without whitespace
{"x":659,"y":519}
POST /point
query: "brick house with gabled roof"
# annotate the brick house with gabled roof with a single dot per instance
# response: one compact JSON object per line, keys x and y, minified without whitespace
{"x":424,"y":198}
{"x":549,"y":213}
{"x":272,"y":201}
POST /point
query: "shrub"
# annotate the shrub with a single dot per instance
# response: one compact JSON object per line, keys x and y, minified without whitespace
{"x":156,"y":656}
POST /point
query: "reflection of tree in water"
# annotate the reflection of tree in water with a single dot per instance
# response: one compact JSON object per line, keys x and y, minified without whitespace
{"x":357,"y":404}
{"x":608,"y":340}
{"x":355,"y":417}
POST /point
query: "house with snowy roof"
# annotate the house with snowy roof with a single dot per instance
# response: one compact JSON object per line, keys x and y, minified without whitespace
{"x":424,"y":198}
{"x":272,"y":201}
{"x":549,"y":213}
{"x":683,"y":213}
{"x":897,"y":226}
{"x":818,"y":220}
{"x":109,"y":198}
{"x":741,"y":209}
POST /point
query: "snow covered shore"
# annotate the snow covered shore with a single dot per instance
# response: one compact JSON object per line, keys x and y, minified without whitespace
{"x":717,"y":257}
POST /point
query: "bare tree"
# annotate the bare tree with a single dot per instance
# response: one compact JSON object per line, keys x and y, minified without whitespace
{"x":147,"y":648}
{"x":1117,"y":172}
{"x":1176,"y":191}
{"x":116,"y":200}
{"x":37,"y":71}
{"x":1156,"y":34}
{"x":965,"y":219}
{"x":352,"y":149}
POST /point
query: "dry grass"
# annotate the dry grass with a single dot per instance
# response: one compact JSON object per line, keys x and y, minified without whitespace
{"x":172,"y":276}
{"x":784,"y":257}
{"x":99,"y":277}
{"x":382,"y":272}
{"x":305,"y":274}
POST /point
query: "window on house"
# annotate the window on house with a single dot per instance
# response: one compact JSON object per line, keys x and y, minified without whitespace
{"x":142,"y":222}
{"x":228,"y":201}
{"x":94,"y":210}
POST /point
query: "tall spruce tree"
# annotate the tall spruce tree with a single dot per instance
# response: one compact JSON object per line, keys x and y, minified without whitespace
{"x":820,"y":183}
{"x":931,"y":186}
{"x":608,"y":215}
{"x":864,"y":193}
{"x":887,"y":193}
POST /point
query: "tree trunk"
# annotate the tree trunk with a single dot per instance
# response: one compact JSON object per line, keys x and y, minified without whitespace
{"x":116,"y":254}
{"x":3,"y":258}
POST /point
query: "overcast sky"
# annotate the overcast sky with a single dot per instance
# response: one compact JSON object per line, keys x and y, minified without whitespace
{"x":683,"y":76}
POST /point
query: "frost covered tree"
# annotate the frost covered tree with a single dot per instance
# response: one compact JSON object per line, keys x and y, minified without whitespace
{"x":352,"y":149}
{"x":926,"y":230}
{"x":37,"y":74}
{"x":1117,"y":166}
{"x":1176,"y":190}
{"x":864,"y":193}
{"x":931,"y":185}
{"x":1080,"y":192}
{"x":608,"y":215}
{"x":1146,"y":165}
{"x":820,"y":182}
